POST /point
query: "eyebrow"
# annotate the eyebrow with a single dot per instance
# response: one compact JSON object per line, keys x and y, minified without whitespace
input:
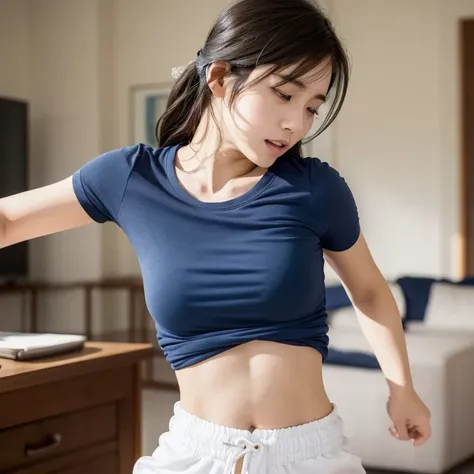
{"x":300,"y":85}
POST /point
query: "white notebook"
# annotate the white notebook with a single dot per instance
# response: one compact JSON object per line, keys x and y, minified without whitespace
{"x":25,"y":346}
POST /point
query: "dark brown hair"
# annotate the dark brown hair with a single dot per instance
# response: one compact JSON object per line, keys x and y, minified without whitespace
{"x":248,"y":34}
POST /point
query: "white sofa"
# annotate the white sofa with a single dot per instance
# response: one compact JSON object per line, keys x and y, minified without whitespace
{"x":441,"y":352}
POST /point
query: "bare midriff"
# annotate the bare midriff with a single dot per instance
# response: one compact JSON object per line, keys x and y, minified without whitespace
{"x":257,"y":385}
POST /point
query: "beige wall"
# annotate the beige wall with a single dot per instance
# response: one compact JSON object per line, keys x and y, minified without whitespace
{"x":15,"y":48}
{"x":396,"y":141}
{"x":398,"y":136}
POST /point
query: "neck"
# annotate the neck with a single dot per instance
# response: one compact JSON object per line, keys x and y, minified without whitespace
{"x":214,"y":162}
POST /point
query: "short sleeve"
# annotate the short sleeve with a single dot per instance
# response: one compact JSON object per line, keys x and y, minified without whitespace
{"x":341,"y":226}
{"x":101,"y":183}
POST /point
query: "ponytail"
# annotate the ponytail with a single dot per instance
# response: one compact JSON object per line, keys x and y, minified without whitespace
{"x":187,"y":101}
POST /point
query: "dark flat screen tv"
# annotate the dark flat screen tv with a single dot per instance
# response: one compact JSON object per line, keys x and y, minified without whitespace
{"x":14,"y":126}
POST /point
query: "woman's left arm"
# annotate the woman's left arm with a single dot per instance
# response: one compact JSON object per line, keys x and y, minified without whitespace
{"x":380,"y":322}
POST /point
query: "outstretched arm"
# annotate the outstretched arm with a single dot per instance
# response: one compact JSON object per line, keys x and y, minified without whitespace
{"x":40,"y":212}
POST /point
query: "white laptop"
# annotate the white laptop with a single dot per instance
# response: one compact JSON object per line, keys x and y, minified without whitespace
{"x":25,"y":346}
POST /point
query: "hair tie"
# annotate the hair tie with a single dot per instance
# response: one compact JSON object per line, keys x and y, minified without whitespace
{"x":177,"y":71}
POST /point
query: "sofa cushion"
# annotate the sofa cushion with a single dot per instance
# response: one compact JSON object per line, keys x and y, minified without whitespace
{"x":336,"y":297}
{"x":450,"y":307}
{"x":417,"y":291}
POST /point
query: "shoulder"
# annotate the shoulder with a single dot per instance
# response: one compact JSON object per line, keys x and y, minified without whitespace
{"x":327,"y":180}
{"x":126,"y":159}
{"x":129,"y":155}
{"x":118,"y":160}
{"x":101,"y":183}
{"x":324,"y":180}
{"x":307,"y":164}
{"x":333,"y":206}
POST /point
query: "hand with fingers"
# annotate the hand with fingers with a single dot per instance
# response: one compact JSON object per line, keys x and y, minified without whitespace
{"x":410,"y":417}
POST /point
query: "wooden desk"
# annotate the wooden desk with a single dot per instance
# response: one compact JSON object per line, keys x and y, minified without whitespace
{"x":78,"y":413}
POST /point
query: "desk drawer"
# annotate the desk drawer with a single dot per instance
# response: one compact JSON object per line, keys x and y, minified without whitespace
{"x":51,"y":437}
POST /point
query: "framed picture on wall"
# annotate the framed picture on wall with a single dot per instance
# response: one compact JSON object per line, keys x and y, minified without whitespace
{"x":147,"y":104}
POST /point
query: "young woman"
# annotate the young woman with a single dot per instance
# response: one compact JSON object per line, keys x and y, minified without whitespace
{"x":231,"y":226}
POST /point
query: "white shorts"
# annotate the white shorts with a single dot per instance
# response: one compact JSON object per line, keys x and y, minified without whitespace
{"x":196,"y":446}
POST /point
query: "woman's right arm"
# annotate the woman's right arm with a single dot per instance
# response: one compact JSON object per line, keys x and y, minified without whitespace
{"x":42,"y":211}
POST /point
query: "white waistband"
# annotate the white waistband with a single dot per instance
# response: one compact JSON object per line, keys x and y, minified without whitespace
{"x":280,"y":446}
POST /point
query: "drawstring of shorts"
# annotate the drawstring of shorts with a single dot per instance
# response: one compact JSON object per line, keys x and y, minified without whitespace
{"x":240,"y":449}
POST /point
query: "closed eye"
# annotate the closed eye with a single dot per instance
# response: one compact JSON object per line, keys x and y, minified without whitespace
{"x":287,"y":98}
{"x":282,"y":95}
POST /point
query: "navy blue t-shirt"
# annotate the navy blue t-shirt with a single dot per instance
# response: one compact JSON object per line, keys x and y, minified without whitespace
{"x":217,"y":275}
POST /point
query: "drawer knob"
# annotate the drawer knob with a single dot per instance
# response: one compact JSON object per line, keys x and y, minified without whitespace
{"x":52,"y":443}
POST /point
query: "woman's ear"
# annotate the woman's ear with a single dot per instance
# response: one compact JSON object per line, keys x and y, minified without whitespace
{"x":217,"y":74}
